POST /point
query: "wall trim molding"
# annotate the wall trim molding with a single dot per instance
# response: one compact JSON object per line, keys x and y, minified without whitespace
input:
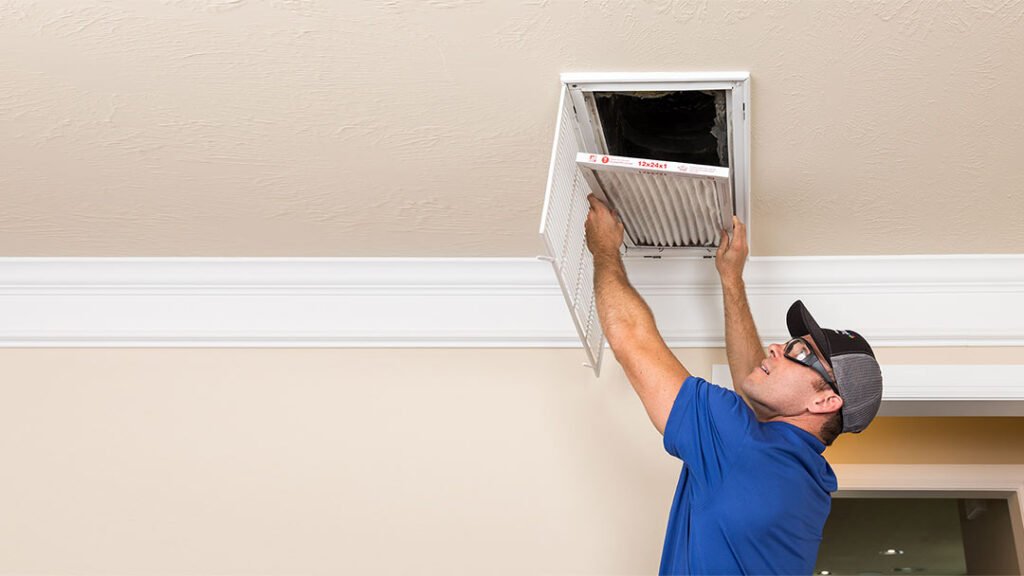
{"x":939,"y":389}
{"x":948,"y":300}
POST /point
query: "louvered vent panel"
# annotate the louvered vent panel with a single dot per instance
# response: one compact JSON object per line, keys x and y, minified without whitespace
{"x":663,"y":204}
{"x":565,"y":212}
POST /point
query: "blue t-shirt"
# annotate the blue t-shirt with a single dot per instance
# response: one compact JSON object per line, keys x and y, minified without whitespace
{"x":752,"y":496}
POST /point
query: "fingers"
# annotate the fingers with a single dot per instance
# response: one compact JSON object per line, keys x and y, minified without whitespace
{"x":739,"y":231}
{"x":598,"y":204}
{"x":738,"y":240}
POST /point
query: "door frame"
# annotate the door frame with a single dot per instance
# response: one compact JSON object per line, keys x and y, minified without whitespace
{"x":939,"y":481}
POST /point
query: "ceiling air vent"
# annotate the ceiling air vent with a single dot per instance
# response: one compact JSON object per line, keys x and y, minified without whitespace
{"x":670,"y":152}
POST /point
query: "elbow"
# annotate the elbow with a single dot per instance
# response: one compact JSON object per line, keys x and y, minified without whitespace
{"x":627,"y":333}
{"x":619,"y":333}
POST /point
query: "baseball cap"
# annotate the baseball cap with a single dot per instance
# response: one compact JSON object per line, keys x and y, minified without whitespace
{"x":857,"y":374}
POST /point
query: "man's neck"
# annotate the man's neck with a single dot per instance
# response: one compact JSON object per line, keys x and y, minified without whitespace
{"x":808,"y":423}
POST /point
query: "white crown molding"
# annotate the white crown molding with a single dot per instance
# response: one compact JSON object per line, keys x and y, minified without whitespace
{"x":957,"y":300}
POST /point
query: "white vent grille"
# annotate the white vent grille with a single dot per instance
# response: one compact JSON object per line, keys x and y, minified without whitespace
{"x":565,"y":212}
{"x":668,"y":209}
{"x":663,"y":204}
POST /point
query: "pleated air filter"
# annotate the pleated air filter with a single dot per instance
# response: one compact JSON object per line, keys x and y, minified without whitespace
{"x":662,"y":204}
{"x":668,"y":151}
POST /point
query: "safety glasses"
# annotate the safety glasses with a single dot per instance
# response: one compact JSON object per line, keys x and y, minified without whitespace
{"x":799,"y":350}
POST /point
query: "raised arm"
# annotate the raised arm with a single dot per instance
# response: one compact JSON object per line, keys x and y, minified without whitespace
{"x":655,"y":373}
{"x":742,"y":344}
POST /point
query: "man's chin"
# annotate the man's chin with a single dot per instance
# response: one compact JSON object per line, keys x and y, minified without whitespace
{"x":754,"y":399}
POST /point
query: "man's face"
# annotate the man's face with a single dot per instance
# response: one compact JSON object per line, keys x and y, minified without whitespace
{"x":780,"y":386}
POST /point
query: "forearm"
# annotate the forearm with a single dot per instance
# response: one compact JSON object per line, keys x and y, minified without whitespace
{"x":651,"y":368}
{"x":620,"y":307}
{"x":742,"y":344}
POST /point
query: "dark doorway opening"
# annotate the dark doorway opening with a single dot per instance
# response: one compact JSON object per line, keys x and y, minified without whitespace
{"x":918,"y":536}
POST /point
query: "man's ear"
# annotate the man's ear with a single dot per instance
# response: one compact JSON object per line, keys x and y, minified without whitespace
{"x":826,"y":402}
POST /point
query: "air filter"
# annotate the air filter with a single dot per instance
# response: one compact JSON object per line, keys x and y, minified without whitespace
{"x":662,"y":204}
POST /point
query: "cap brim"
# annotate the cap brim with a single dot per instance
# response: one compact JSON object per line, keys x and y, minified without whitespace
{"x":800,"y":322}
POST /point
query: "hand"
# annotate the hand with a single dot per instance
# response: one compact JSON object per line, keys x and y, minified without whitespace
{"x":603,"y":228}
{"x":732,"y":255}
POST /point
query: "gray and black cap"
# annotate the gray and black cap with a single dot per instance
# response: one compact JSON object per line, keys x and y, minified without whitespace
{"x":857,"y":374}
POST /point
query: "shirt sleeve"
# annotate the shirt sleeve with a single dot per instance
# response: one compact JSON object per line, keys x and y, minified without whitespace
{"x":707,"y":426}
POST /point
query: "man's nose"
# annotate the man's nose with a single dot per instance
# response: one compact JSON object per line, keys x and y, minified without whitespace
{"x":774,"y":350}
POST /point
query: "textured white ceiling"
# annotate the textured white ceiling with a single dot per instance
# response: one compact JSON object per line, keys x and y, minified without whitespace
{"x":321,"y":128}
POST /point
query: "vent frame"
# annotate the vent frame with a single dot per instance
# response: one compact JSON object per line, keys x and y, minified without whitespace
{"x":736,"y":85}
{"x":565,"y":204}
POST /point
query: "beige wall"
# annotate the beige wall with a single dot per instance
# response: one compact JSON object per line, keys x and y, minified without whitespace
{"x":382,"y":461}
{"x":934,"y":441}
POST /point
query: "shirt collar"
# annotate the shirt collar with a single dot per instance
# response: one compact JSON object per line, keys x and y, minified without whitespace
{"x":805,"y":436}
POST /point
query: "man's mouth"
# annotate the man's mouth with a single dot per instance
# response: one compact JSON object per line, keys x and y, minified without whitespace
{"x":765,"y":368}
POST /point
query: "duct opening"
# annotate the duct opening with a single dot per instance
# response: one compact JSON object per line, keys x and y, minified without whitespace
{"x":680,"y":126}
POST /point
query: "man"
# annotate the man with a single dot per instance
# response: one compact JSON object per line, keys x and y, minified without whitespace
{"x":754,"y":491}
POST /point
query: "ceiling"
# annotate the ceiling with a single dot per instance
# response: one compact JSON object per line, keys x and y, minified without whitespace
{"x":387,"y":128}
